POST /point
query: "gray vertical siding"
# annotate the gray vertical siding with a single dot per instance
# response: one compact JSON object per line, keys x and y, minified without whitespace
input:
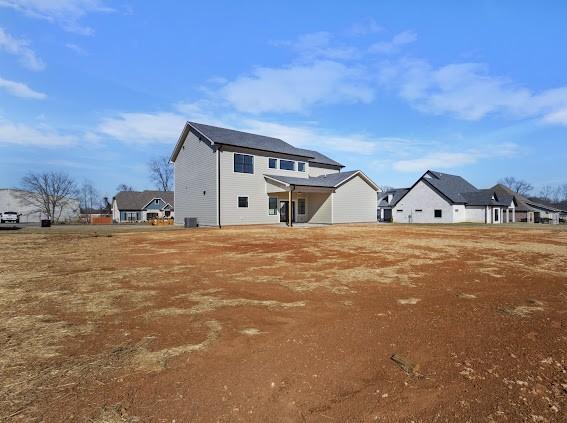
{"x":195,"y":187}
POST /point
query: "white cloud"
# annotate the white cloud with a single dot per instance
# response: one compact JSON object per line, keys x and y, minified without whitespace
{"x":65,"y":13}
{"x":77,"y":49}
{"x":25,"y":135}
{"x":468,"y":91}
{"x":312,"y":137}
{"x":318,"y":45}
{"x":143,"y":128}
{"x":450,"y":160}
{"x":21,"y":49}
{"x":296,"y":88}
{"x":367,"y":26}
{"x":19,"y":89}
{"x":393,"y":46}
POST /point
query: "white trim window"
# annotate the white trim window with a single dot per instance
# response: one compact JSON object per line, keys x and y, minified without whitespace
{"x":242,"y":201}
{"x":301,"y":166}
{"x":243,"y":163}
{"x":272,"y":163}
{"x":287,"y":164}
{"x":272,"y":206}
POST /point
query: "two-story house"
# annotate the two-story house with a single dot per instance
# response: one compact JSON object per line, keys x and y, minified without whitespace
{"x":228,"y":177}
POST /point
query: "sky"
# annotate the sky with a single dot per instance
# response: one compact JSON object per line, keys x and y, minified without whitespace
{"x":97,"y":88}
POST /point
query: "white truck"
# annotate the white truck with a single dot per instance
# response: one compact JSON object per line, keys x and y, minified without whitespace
{"x":9,"y":217}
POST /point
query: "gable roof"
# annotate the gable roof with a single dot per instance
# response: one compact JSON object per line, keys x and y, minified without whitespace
{"x":396,"y":194}
{"x":225,"y":136}
{"x":138,"y":200}
{"x":484,"y":197}
{"x":331,"y":180}
{"x":521,"y":201}
{"x":452,"y":186}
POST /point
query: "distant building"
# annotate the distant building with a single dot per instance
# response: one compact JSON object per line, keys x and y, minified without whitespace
{"x":12,"y":200}
{"x":141,"y":206}
{"x":442,"y":198}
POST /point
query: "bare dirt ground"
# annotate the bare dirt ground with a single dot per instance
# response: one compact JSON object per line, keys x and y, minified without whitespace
{"x":269,"y":324}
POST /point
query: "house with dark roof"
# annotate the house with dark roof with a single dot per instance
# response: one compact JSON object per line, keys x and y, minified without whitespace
{"x":443,"y":198}
{"x":141,"y":206}
{"x":229,"y":177}
{"x":527,"y":210}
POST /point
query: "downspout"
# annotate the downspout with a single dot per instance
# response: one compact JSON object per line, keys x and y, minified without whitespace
{"x":219,"y":186}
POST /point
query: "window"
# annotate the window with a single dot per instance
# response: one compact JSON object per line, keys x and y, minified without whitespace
{"x":301,"y":166}
{"x":157,"y":201}
{"x":242,"y":201}
{"x":272,"y":206}
{"x":273,"y":163}
{"x":287,"y":165}
{"x":301,"y":206}
{"x":438,"y":213}
{"x":243,"y":163}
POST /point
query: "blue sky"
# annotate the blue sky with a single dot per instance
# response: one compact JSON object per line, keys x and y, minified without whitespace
{"x":97,"y":88}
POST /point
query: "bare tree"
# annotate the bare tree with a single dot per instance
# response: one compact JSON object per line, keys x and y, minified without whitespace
{"x":551,"y":193}
{"x":517,"y":185}
{"x":49,"y":192}
{"x":89,"y":196}
{"x":564,"y":192}
{"x":161,"y":173}
{"x":386,"y":188}
{"x":124,"y":187}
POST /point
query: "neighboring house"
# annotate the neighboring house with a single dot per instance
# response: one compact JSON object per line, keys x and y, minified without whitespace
{"x":527,"y":210}
{"x":442,"y":198}
{"x":13,"y":200}
{"x":387,"y":200}
{"x":228,"y":177}
{"x":141,"y":206}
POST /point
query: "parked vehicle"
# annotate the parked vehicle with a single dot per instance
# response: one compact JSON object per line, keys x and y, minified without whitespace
{"x":10,"y":217}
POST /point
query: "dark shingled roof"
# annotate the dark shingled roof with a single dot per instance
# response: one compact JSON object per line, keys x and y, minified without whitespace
{"x":396,"y":195}
{"x":247,"y":140}
{"x":137,"y":200}
{"x":321,"y":158}
{"x":327,"y":181}
{"x":236,"y":138}
{"x":452,"y":186}
{"x":484,"y":197}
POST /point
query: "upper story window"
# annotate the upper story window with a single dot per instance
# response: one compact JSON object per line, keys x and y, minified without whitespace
{"x":243,"y":163}
{"x":301,"y":166}
{"x":287,"y":164}
{"x":273,"y":163}
{"x":157,"y":201}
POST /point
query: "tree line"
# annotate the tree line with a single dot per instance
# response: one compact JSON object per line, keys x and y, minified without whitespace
{"x":551,"y":194}
{"x":52,"y":192}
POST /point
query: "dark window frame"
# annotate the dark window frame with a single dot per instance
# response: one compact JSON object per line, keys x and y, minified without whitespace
{"x":243,"y":163}
{"x":438,"y":214}
{"x":240,"y":203}
{"x":301,"y":206}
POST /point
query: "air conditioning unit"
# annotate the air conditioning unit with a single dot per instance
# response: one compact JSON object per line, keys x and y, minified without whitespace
{"x":191,"y":222}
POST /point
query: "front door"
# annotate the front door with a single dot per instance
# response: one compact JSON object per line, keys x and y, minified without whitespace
{"x":284,"y":207}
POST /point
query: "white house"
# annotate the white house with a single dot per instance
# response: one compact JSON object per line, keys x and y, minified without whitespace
{"x":228,"y":177}
{"x":14,"y":200}
{"x":442,"y":198}
{"x":140,"y":206}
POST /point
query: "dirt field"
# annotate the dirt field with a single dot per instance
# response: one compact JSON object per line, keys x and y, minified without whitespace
{"x":270,"y":324}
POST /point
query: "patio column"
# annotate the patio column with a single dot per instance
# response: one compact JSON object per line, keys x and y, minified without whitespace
{"x":290,"y":210}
